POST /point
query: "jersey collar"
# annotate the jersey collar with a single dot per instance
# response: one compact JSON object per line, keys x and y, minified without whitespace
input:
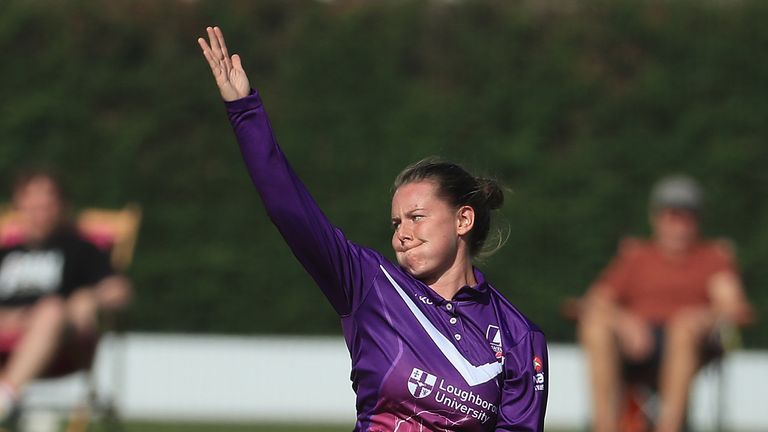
{"x":465,"y":293}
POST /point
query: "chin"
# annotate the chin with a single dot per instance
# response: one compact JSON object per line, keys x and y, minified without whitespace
{"x":416,"y":266}
{"x":410,"y":267}
{"x":413,"y":272}
{"x":417,"y":272}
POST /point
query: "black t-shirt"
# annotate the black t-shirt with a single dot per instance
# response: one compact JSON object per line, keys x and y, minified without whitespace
{"x":62,"y":264}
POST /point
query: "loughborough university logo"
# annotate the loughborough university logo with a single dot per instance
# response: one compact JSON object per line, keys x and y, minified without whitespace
{"x":421,"y":383}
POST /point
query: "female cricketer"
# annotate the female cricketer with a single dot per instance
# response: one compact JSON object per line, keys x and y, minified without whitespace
{"x":434,"y":346}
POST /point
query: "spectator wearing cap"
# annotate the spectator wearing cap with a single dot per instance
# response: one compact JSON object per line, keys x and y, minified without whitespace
{"x":656,"y":306}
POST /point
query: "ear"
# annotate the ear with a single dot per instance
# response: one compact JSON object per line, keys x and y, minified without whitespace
{"x":465,"y":220}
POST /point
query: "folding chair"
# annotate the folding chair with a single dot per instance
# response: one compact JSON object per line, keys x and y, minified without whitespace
{"x":639,"y":405}
{"x":10,"y":228}
{"x":115,"y":232}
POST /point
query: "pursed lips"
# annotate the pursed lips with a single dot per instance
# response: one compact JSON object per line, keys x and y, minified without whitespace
{"x":403,"y":249}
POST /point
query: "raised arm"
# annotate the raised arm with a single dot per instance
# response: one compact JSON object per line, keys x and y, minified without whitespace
{"x":342,"y":270}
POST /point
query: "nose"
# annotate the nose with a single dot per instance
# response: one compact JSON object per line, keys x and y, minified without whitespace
{"x":403,"y":234}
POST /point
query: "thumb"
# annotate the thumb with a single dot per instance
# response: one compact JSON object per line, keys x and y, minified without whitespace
{"x":236,"y":62}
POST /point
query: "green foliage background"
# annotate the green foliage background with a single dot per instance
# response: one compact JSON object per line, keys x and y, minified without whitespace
{"x":577,"y":107}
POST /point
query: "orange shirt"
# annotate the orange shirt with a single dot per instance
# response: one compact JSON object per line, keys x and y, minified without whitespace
{"x":655,"y":286}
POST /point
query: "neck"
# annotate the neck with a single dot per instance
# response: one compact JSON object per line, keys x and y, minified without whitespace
{"x":452,"y":280}
{"x":674,"y":249}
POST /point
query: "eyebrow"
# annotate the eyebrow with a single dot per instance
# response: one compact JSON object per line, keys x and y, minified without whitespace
{"x":412,"y":211}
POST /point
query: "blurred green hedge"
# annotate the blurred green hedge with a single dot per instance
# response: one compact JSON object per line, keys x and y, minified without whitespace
{"x":578,"y":108}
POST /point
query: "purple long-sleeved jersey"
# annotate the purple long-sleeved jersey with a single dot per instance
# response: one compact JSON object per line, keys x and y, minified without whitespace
{"x":419,"y":362}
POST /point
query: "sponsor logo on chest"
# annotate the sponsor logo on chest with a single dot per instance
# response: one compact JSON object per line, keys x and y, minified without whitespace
{"x":493,"y":334}
{"x":422,"y":384}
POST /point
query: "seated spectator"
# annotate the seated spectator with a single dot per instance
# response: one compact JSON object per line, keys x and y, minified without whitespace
{"x":657,"y":304}
{"x":52,"y":285}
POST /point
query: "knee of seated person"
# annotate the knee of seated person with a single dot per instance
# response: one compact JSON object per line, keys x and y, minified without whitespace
{"x":593,"y":323}
{"x":686,"y":327}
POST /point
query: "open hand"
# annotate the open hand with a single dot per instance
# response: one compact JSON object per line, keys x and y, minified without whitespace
{"x":228,"y":71}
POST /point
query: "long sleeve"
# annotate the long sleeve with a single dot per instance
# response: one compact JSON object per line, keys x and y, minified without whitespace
{"x":526,"y":385}
{"x":337,"y":266}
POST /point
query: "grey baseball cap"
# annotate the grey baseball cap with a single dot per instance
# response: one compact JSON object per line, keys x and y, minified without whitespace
{"x":677,"y":192}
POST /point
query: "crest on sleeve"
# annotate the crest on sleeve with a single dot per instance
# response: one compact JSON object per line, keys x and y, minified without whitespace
{"x":538,"y":377}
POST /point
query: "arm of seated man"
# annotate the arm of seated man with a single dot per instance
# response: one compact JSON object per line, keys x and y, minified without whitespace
{"x":111,"y":294}
{"x":728,"y":300}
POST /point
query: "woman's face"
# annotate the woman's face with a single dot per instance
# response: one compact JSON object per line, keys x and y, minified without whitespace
{"x":428,"y":231}
{"x":39,"y":208}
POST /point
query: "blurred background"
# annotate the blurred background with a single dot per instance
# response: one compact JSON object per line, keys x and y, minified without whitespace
{"x":578,"y":106}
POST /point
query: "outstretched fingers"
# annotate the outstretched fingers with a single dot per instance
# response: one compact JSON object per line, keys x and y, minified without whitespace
{"x":216,"y":53}
{"x":214,"y":41}
{"x":220,"y":42}
{"x":228,"y":71}
{"x":212,"y":61}
{"x":204,"y":46}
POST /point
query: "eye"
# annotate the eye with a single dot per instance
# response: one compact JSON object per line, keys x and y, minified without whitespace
{"x":417,"y":218}
{"x":395,"y":224}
